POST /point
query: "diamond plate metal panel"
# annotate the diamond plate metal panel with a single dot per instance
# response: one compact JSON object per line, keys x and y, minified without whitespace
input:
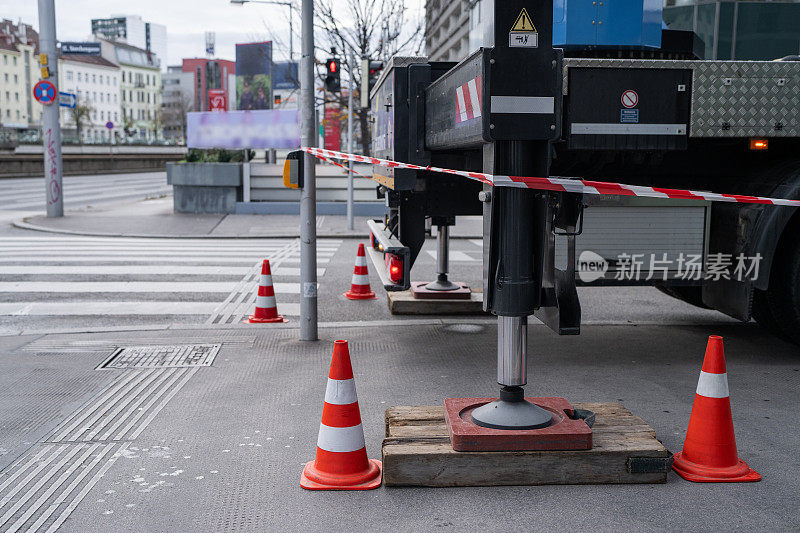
{"x":729,"y":98}
{"x":163,"y":356}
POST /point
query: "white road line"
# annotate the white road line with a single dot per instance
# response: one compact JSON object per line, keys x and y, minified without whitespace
{"x":189,"y":373}
{"x":249,"y":259}
{"x":152,"y":253}
{"x":131,"y":396}
{"x":133,"y":286}
{"x":50,"y":490}
{"x":174,"y":377}
{"x":83,"y":413}
{"x":41,"y":466}
{"x":23,"y":468}
{"x":91,"y":308}
{"x":456,"y":255}
{"x":282,"y":271}
{"x":82,"y":494}
{"x":134,"y":270}
{"x":22,"y":500}
{"x":477,"y":242}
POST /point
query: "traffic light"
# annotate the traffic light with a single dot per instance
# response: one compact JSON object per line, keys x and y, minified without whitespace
{"x":375,"y":68}
{"x":333,"y":79}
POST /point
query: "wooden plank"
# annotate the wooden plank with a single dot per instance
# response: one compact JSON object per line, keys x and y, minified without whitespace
{"x":404,"y":303}
{"x":417,"y":452}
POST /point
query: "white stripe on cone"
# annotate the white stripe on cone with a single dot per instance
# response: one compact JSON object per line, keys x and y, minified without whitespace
{"x":341,"y":392}
{"x":333,"y":439}
{"x":361,"y":261}
{"x":713,"y":385}
{"x":360,"y":279}
{"x":265,"y":280}
{"x":265,"y":302}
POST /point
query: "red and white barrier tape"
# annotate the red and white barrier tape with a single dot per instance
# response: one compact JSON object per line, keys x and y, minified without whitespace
{"x":575,"y":185}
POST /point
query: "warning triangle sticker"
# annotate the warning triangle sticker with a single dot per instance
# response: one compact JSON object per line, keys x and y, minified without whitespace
{"x":523,"y":22}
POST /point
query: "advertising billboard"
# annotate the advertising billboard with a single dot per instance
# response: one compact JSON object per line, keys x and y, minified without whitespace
{"x":237,"y":130}
{"x":216,"y":100}
{"x":254,"y":76}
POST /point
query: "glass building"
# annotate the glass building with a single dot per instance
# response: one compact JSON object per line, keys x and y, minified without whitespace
{"x":739,"y":30}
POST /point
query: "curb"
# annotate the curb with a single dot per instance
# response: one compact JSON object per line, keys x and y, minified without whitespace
{"x":24,"y":224}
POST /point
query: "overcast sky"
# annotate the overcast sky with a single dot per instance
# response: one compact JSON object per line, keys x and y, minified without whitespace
{"x":186,"y":22}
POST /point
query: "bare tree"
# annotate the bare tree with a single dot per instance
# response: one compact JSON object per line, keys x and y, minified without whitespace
{"x":81,"y":114}
{"x":375,"y":29}
{"x":127,"y":122}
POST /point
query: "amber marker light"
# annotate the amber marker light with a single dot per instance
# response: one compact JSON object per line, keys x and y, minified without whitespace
{"x":758,"y":144}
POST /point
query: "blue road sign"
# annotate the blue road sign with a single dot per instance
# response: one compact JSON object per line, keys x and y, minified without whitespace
{"x":92,"y":49}
{"x":45,"y":92}
{"x":110,"y":125}
{"x":67,"y":100}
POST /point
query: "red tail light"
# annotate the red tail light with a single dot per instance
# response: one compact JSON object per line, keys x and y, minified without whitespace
{"x":395,"y":267}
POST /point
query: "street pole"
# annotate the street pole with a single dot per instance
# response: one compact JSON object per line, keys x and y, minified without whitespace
{"x":308,"y":194}
{"x":291,"y":36}
{"x":351,"y":61}
{"x":51,"y":127}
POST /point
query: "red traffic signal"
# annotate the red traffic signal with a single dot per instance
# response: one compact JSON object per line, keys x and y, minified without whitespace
{"x":332,"y":79}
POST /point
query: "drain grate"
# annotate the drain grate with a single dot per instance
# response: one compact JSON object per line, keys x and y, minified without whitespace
{"x":174,"y":356}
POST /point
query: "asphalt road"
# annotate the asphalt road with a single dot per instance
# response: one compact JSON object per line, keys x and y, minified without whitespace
{"x":220,"y":448}
{"x":28,"y":194}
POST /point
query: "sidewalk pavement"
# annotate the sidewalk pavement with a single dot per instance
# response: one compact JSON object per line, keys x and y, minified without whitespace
{"x":155,"y":218}
{"x":221,"y":447}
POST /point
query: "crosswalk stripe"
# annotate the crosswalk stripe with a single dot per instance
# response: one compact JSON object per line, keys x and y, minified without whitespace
{"x":455,"y":255}
{"x":145,"y":258}
{"x":133,"y":270}
{"x":95,"y":308}
{"x":133,"y":286}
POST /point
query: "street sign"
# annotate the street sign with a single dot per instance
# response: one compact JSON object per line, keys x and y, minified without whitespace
{"x":92,"y":49}
{"x":216,"y":100}
{"x":67,"y":100}
{"x":110,"y":125}
{"x":45,"y":92}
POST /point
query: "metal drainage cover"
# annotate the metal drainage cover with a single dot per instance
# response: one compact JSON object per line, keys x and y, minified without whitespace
{"x":182,"y":355}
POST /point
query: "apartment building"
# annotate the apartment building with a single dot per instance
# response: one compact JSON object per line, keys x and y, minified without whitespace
{"x":95,"y":81}
{"x":19,"y":72}
{"x":447,"y":29}
{"x":140,"y":90}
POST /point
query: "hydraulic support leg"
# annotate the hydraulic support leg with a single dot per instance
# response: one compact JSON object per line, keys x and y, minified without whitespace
{"x":516,"y":230}
{"x":442,"y":259}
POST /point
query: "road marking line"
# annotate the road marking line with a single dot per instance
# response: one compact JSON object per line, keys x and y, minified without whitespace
{"x":456,"y":255}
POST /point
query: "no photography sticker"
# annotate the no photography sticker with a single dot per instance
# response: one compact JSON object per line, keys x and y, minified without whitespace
{"x":630,"y":99}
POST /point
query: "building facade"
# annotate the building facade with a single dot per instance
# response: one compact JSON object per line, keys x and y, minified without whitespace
{"x":96,"y":82}
{"x":209,"y":74}
{"x":177,"y":99}
{"x":447,"y":29}
{"x":140,"y":91}
{"x":739,"y":30}
{"x":19,"y":72}
{"x":131,"y":29}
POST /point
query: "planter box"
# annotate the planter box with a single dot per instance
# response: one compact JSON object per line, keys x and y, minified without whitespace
{"x":205,"y":187}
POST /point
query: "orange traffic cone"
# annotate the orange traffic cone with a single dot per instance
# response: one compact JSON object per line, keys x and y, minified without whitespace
{"x":709,"y":451}
{"x":266,"y":307}
{"x":359,"y":288}
{"x":341,"y":462}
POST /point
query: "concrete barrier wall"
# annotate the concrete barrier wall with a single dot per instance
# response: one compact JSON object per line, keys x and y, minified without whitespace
{"x":205,"y":187}
{"x":27,"y":160}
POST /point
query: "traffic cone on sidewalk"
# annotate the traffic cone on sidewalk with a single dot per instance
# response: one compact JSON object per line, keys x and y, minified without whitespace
{"x":359,"y":288}
{"x":266,"y":307}
{"x":341,"y":462}
{"x":709,"y":451}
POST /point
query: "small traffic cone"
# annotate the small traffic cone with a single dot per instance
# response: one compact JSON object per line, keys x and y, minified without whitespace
{"x":709,"y":451}
{"x":359,"y":288}
{"x":266,"y":307}
{"x":341,"y":462}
